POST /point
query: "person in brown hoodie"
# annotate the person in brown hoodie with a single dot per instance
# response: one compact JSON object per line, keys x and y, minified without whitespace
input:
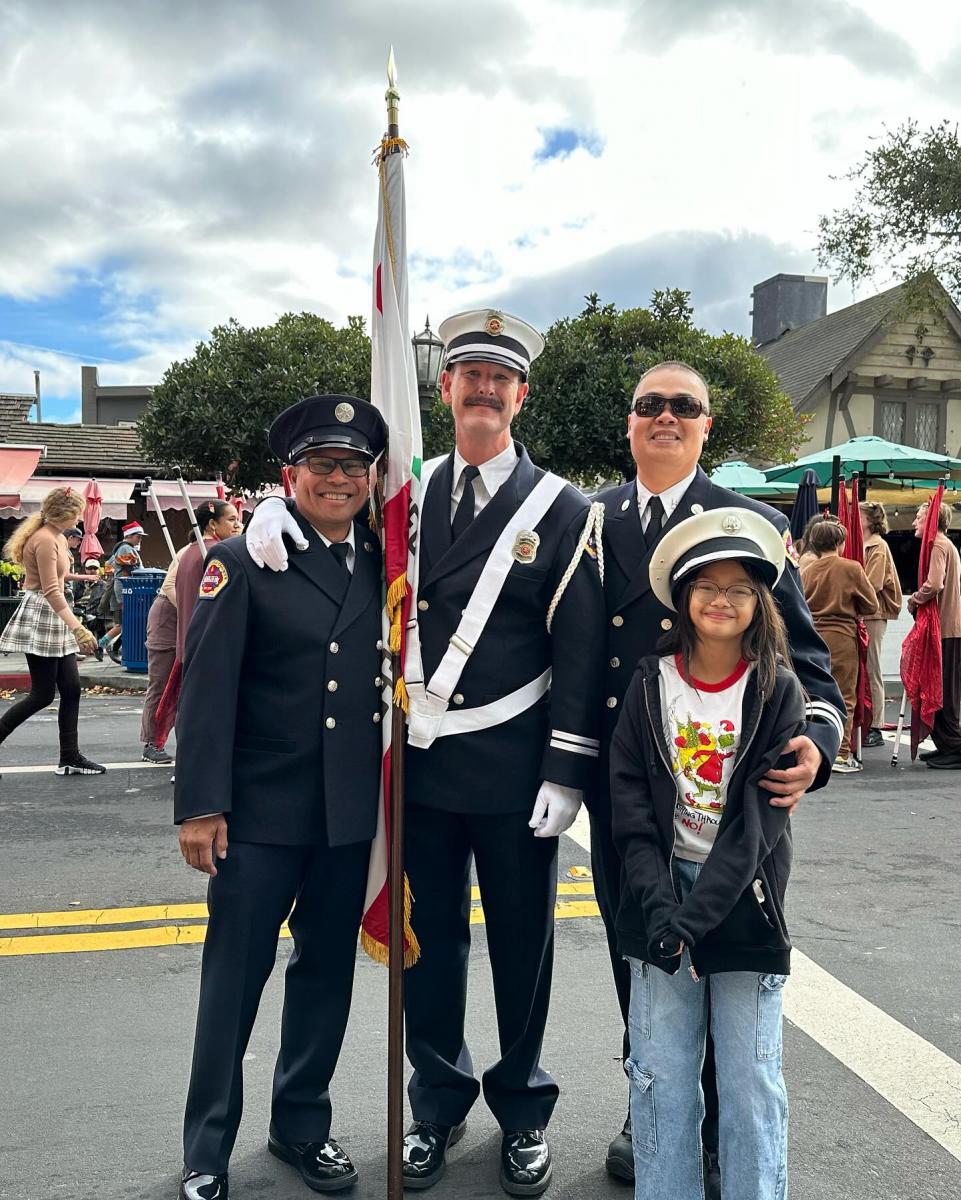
{"x":879,"y":568}
{"x":943,"y":587}
{"x":838,"y":594}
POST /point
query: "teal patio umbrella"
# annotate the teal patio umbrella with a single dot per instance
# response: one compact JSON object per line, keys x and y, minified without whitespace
{"x":873,"y":458}
{"x":738,"y":477}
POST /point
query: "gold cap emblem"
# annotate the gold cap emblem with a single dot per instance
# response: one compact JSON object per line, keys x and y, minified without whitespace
{"x":525,"y":546}
{"x":495,"y":324}
{"x":344,"y":412}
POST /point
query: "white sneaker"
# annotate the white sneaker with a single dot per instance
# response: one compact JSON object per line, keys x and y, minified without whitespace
{"x":846,"y":766}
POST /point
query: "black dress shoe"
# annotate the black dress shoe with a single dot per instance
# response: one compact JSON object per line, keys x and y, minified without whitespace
{"x":712,"y":1174}
{"x":425,"y":1152}
{"x":924,"y":755}
{"x":323,"y":1166}
{"x":945,"y":762}
{"x":526,"y":1166}
{"x":194,"y":1185}
{"x":620,"y":1155}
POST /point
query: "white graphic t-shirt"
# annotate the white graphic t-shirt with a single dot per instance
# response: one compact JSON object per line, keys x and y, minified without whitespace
{"x":702,"y":730}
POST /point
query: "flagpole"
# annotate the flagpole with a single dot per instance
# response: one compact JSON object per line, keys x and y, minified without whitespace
{"x":395,"y":867}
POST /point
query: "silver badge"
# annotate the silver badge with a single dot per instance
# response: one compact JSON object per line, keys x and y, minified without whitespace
{"x":344,"y":412}
{"x":525,"y":546}
{"x":731,"y":523}
{"x":697,"y":509}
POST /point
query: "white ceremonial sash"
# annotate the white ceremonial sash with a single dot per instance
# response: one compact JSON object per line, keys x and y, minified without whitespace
{"x":429,"y":718}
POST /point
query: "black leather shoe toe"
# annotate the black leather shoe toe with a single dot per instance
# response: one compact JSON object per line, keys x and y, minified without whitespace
{"x":323,"y":1166}
{"x":620,"y":1155}
{"x":712,"y":1174}
{"x":194,"y":1185}
{"x":944,"y":762}
{"x":425,"y":1152}
{"x":526,"y":1166}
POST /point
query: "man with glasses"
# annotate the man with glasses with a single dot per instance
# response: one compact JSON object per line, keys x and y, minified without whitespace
{"x":278,"y":766}
{"x":668,"y":422}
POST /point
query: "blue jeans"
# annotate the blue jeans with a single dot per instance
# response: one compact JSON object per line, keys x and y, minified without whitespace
{"x":668,"y":1026}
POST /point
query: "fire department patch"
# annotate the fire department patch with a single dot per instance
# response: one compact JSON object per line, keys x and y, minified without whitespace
{"x":789,"y":548}
{"x":214,"y":580}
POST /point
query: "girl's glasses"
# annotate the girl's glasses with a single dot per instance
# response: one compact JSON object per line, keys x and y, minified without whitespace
{"x":737,"y":594}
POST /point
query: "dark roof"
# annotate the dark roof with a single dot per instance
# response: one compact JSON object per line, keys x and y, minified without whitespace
{"x":103,"y":450}
{"x":801,"y":358}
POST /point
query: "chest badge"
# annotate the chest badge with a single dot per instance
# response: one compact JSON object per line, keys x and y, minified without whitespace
{"x":525,"y":546}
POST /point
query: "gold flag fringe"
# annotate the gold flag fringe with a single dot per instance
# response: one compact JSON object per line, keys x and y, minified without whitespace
{"x":401,"y":698}
{"x":387,"y":146}
{"x":381,"y":953}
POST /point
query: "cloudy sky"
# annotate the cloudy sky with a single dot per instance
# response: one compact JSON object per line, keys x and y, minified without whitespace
{"x":167,"y":164}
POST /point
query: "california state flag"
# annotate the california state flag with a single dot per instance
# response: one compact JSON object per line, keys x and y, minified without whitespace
{"x":393,"y":388}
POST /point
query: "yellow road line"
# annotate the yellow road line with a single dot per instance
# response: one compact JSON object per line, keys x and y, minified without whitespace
{"x":155,"y":936}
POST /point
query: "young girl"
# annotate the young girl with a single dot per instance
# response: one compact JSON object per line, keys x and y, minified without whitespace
{"x":707,"y":859}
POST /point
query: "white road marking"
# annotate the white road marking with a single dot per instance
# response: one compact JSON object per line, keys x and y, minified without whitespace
{"x":918,"y":1079}
{"x":117,"y":766}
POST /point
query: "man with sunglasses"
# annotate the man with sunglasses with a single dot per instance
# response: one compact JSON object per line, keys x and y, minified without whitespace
{"x":278,"y":766}
{"x":668,"y":422}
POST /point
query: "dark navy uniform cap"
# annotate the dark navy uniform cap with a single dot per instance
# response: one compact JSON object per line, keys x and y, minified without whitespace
{"x":322,"y":421}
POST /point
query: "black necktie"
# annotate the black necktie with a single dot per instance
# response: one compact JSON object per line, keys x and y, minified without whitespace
{"x":655,"y":518}
{"x":339,"y":550}
{"x":465,"y":508}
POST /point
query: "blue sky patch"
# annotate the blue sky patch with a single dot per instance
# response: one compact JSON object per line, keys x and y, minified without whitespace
{"x":561,"y":142}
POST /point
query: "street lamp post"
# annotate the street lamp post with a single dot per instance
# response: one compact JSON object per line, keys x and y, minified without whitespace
{"x":429,"y":356}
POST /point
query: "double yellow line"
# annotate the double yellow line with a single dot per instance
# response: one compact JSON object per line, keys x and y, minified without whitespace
{"x":180,"y":925}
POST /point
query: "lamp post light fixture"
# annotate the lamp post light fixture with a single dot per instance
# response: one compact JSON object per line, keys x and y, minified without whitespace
{"x":429,"y":357}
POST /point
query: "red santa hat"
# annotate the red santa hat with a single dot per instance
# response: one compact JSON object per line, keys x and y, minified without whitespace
{"x":131,"y":528}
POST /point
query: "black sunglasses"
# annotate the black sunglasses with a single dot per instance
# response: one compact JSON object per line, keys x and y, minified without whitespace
{"x":652,"y":404}
{"x":318,"y":464}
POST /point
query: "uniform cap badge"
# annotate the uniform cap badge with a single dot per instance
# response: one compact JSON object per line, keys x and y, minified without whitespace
{"x":731,"y":523}
{"x":214,"y":579}
{"x":495,"y":324}
{"x":525,"y":546}
{"x":344,"y":412}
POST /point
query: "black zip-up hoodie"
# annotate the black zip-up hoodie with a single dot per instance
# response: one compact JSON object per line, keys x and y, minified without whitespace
{"x":733,"y":917}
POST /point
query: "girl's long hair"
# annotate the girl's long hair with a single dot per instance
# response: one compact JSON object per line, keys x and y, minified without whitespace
{"x":60,"y":504}
{"x":764,"y":643}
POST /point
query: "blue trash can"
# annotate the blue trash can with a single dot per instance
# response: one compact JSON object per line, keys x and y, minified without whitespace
{"x":139,"y":590}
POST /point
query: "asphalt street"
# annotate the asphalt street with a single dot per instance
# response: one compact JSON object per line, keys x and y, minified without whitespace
{"x":95,"y":1043}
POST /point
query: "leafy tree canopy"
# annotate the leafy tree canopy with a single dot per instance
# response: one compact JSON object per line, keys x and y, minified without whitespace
{"x":211,"y":412}
{"x":574,"y":420}
{"x":906,"y":213}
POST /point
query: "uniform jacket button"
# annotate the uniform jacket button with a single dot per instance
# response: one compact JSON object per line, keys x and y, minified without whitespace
{"x":332,"y":686}
{"x":380,"y":644}
{"x":376,"y":718}
{"x":423,"y":605}
{"x":612,"y":702}
{"x":378,"y":681}
{"x":458,"y":698}
{"x":667,"y":623}
{"x":334,"y":648}
{"x":615,"y":661}
{"x":330,"y":723}
{"x":617,"y":621}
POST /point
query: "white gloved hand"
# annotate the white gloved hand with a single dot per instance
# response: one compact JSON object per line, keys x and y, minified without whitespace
{"x":554,"y":809}
{"x":265,"y":534}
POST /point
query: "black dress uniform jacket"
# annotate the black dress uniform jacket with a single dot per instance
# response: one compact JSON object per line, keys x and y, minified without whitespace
{"x":499,"y":769}
{"x":278,"y":724}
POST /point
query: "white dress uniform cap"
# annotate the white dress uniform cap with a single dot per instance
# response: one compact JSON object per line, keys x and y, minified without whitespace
{"x":720,"y":533}
{"x":487,"y":335}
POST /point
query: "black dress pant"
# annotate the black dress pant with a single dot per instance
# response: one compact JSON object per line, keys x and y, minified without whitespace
{"x":254,"y":890}
{"x":946,"y":733}
{"x":606,"y":868}
{"x":517,"y":875}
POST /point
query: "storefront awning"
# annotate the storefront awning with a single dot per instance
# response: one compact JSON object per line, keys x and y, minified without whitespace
{"x":17,"y":464}
{"x":169,"y":495}
{"x":117,"y":494}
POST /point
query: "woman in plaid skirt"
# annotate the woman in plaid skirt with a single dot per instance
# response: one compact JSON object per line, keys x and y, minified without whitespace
{"x":45,"y":628}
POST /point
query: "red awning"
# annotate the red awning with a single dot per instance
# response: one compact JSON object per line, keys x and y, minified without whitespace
{"x":17,"y":464}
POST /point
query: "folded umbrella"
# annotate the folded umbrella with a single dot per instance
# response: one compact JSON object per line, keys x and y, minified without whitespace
{"x":921,"y":649}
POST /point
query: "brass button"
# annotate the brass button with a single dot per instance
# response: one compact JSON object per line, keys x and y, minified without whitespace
{"x":332,"y":686}
{"x":330,"y":723}
{"x":667,"y":623}
{"x":615,"y":661}
{"x":458,"y":698}
{"x":612,"y":702}
{"x":376,"y":718}
{"x":334,"y":648}
{"x":423,"y":605}
{"x":617,"y":622}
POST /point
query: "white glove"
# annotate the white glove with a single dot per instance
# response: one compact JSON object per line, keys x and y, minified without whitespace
{"x":265,"y":534}
{"x":554,"y":809}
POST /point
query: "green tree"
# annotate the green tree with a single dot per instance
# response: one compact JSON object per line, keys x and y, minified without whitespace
{"x":905,"y":217}
{"x":211,"y":412}
{"x":575,"y":419}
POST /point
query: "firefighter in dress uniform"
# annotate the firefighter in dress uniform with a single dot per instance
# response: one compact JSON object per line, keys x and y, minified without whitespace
{"x":504,"y":666}
{"x":278,"y":763}
{"x":668,"y":423}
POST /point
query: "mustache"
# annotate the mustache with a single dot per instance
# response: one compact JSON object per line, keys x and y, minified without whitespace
{"x":483,"y":402}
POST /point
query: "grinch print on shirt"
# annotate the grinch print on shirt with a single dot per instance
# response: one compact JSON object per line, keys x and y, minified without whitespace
{"x":699,"y":757}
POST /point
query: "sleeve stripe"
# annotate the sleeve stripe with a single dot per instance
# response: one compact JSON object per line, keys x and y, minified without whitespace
{"x":821,"y":710}
{"x":590,"y":752}
{"x":574,"y":738}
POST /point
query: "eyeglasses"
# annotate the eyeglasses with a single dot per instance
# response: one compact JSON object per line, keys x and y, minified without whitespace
{"x":652,"y":404}
{"x":737,"y":594}
{"x":316,"y":464}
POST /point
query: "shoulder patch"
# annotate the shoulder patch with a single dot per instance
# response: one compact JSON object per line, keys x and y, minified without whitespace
{"x":789,"y":547}
{"x":214,"y":579}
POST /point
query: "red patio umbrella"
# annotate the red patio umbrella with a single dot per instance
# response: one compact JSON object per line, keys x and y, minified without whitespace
{"x":921,"y":649}
{"x":90,"y":545}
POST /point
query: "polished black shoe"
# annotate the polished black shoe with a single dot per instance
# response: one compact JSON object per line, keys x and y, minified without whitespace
{"x":526,"y":1166}
{"x":194,"y":1185}
{"x":323,"y":1166}
{"x":924,"y":755}
{"x":425,"y":1152}
{"x":874,"y":739}
{"x":712,"y":1174}
{"x":620,"y":1155}
{"x":945,"y":762}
